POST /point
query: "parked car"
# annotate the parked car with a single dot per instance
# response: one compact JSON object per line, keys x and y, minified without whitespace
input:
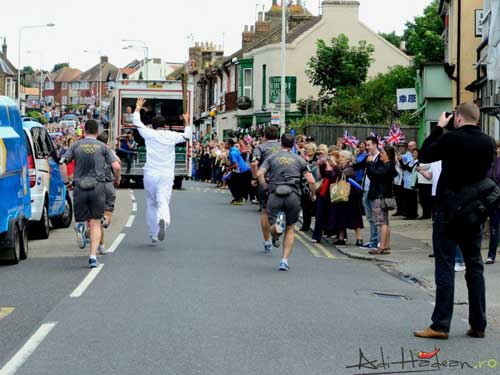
{"x":50,"y":200}
{"x":15,"y":202}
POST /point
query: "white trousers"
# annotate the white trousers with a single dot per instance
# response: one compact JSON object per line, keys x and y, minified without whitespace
{"x":158,"y":192}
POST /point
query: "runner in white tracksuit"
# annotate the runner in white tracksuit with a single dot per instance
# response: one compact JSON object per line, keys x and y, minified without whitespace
{"x":159,"y":169}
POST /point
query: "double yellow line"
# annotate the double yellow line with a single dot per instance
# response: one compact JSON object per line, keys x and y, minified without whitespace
{"x":6,"y":311}
{"x":316,"y":249}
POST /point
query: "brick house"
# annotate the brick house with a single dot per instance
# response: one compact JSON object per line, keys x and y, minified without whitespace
{"x":8,"y":74}
{"x":88,"y":82}
{"x":56,"y":85}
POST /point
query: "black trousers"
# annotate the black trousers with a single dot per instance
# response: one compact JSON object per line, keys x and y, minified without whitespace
{"x":425,"y":199}
{"x":400,"y":201}
{"x":308,"y":211}
{"x":239,"y":184}
{"x":410,"y":203}
{"x":446,"y":241}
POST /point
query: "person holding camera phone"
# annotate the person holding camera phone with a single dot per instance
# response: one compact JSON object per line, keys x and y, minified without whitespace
{"x":467,"y":155}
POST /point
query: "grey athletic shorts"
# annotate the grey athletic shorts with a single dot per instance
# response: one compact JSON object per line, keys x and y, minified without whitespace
{"x":109,"y":204}
{"x":89,"y":204}
{"x":290,"y":205}
{"x":262,"y":197}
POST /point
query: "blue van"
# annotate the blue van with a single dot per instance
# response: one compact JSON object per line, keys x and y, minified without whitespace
{"x":15,"y":201}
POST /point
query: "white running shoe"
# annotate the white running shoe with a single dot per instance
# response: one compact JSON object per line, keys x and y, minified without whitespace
{"x":280,"y":223}
{"x":102,"y":249}
{"x":154,"y":239}
{"x":459,"y":268}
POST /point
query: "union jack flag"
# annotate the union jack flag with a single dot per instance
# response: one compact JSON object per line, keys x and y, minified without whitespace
{"x":381,"y":141}
{"x":350,"y":140}
{"x":395,"y":136}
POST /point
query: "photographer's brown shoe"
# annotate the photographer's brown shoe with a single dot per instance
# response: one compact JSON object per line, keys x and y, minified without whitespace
{"x":429,"y":333}
{"x":475,"y":333}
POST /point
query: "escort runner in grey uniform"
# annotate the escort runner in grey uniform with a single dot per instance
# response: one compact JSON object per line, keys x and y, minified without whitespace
{"x":260,"y":154}
{"x":283,"y":172}
{"x":91,"y":157}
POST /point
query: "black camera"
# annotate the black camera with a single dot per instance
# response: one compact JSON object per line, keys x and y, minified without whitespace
{"x":451,"y":123}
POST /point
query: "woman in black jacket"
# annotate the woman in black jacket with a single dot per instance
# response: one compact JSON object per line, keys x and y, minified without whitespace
{"x":382,"y":178}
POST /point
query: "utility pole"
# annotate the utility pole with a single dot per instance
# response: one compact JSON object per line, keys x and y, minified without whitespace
{"x":283,"y":68}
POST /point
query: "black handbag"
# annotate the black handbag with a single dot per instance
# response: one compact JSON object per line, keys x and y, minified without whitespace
{"x":472,"y":205}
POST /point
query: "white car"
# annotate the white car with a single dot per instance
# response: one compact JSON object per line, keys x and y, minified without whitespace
{"x":50,"y":200}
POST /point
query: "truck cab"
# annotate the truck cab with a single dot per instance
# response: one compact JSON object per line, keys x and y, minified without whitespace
{"x":163,"y":98}
{"x":15,"y":205}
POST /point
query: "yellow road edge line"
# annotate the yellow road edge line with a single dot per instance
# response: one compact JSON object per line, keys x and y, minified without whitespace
{"x":323,"y":249}
{"x":313,"y":251}
{"x":6,"y":311}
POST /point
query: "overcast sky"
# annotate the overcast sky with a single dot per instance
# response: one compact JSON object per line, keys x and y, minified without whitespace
{"x":165,"y":26}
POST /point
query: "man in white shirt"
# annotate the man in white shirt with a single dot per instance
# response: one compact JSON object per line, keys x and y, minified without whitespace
{"x":159,"y":168}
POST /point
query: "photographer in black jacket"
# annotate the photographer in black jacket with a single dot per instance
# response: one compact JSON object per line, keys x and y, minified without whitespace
{"x":467,"y":155}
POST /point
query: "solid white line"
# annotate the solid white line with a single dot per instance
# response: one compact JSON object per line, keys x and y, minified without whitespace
{"x":24,"y":353}
{"x":80,"y":289}
{"x":134,"y":207}
{"x":130,"y":221}
{"x":116,"y":243}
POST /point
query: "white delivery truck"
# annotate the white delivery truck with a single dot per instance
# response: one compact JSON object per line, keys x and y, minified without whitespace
{"x":166,"y":98}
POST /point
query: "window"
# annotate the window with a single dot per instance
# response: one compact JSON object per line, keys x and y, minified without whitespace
{"x":64,"y":85}
{"x":247,"y":83}
{"x":41,"y":150}
{"x":47,"y":142}
{"x":74,"y":86}
{"x":64,"y":100}
{"x":49,"y":85}
{"x":84,"y":85}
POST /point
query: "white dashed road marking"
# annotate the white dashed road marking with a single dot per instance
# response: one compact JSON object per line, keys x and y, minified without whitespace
{"x":28,"y":349}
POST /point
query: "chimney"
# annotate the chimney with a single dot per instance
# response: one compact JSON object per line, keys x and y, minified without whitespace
{"x":402,"y":46}
{"x":104,"y":59}
{"x":262,"y":27}
{"x":248,"y":36}
{"x":4,"y":48}
{"x":345,"y":10}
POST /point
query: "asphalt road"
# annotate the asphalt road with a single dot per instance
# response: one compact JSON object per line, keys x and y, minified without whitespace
{"x":32,"y":288}
{"x":209,"y":301}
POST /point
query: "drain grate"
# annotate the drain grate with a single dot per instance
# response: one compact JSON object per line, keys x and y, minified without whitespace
{"x":390,"y":295}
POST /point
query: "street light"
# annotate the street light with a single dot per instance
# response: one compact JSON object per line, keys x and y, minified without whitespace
{"x":41,"y":75}
{"x":283,"y":68}
{"x":146,"y":50}
{"x":51,"y":24}
{"x":99,"y":88}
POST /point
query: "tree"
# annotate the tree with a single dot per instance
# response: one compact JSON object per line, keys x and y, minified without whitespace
{"x":28,"y":70}
{"x":60,"y":66}
{"x":423,"y":36}
{"x":379,"y":95}
{"x":373,"y":102}
{"x":339,"y":65}
{"x":392,"y":38}
{"x":141,"y":76}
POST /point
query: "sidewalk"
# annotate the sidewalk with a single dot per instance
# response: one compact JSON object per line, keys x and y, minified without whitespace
{"x":411,"y":244}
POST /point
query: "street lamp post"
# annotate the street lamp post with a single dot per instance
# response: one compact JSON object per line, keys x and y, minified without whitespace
{"x":19,"y":58}
{"x":41,"y":75}
{"x":146,"y":50}
{"x":99,"y":87}
{"x":283,"y":68}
